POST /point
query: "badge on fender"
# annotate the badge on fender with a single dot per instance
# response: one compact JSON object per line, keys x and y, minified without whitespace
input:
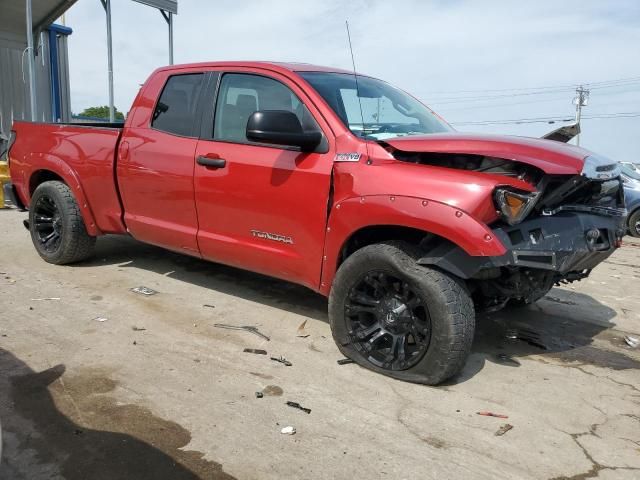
{"x":347,"y":157}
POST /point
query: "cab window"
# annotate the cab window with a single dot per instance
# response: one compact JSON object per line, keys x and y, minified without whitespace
{"x":176,"y":109}
{"x":240,"y":95}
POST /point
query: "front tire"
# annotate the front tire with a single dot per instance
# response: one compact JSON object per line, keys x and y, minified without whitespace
{"x":398,"y":318}
{"x":57,"y":229}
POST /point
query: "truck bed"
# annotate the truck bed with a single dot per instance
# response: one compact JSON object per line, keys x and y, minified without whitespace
{"x":85,"y":153}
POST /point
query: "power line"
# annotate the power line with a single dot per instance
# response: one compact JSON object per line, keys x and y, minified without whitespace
{"x":566,"y":86}
{"x":556,"y":118}
{"x":488,"y":98}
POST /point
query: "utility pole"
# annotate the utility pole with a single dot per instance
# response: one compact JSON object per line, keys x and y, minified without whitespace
{"x":107,"y":9}
{"x":581,"y":100}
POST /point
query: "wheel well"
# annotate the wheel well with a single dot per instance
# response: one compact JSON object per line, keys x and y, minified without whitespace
{"x":42,"y":176}
{"x":380,"y":233}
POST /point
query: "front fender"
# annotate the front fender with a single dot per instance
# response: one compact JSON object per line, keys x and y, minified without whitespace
{"x":54,"y":164}
{"x":349,"y":216}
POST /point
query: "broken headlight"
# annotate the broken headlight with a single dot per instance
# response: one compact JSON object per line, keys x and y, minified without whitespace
{"x":597,"y":167}
{"x":514,"y":205}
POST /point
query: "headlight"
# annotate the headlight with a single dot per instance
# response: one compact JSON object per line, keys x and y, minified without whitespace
{"x":514,"y":205}
{"x":597,"y":167}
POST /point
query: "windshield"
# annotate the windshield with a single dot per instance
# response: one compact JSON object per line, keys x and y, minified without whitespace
{"x":630,"y":172}
{"x":374,"y":110}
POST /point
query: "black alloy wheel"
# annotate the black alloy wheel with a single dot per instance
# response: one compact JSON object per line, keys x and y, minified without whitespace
{"x":47,"y":223}
{"x":388,"y":321}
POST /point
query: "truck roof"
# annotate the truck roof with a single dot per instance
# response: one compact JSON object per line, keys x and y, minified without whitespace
{"x":277,"y":66}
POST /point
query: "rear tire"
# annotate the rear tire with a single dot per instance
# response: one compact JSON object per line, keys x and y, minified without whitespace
{"x":398,"y":318}
{"x":56,"y":225}
{"x":634,"y":224}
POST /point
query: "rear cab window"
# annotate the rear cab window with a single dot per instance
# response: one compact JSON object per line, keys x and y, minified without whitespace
{"x":176,"y":109}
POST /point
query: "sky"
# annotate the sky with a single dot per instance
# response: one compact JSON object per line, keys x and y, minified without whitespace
{"x":471,"y":61}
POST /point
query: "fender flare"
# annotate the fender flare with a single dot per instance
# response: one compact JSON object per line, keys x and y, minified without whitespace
{"x":447,"y":221}
{"x":54,"y":164}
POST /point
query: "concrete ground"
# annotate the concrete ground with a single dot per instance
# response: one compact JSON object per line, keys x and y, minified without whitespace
{"x":156,"y":391}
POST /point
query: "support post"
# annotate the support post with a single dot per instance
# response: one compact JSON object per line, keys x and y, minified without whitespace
{"x":107,"y":8}
{"x":32,"y":65}
{"x":168,"y":16}
{"x":170,"y":38}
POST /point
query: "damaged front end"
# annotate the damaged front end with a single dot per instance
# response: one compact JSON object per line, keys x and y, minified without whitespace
{"x":555,"y":234}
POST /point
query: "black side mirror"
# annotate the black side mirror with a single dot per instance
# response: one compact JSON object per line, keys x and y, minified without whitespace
{"x":281,"y":127}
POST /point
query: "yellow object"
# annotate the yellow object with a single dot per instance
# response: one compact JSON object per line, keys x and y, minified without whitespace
{"x":4,"y":178}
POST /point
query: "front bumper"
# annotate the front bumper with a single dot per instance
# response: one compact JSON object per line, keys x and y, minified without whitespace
{"x":562,"y":243}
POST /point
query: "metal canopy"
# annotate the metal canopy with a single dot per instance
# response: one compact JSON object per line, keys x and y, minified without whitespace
{"x":44,"y":12}
{"x":170,"y":6}
{"x":25,"y":20}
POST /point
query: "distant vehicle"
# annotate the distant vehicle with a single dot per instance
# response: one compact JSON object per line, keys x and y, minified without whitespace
{"x":631,"y":181}
{"x":343,"y":184}
{"x":634,"y":166}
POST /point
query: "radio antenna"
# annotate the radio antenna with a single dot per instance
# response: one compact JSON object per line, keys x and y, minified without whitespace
{"x":355,"y":76}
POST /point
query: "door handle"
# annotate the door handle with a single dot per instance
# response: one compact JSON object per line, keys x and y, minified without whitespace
{"x":211,"y":162}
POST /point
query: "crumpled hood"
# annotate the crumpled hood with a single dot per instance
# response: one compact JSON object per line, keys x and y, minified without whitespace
{"x":550,"y":156}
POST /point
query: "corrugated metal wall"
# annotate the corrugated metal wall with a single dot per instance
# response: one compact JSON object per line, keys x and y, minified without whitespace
{"x":14,"y":81}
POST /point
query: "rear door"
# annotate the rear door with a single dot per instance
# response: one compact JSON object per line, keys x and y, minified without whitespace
{"x":156,"y":164}
{"x":262,"y":207}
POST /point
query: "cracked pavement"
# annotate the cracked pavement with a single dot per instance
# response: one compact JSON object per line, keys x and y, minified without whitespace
{"x":155,"y":391}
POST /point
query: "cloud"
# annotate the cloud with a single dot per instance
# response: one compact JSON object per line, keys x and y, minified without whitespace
{"x":422,"y":47}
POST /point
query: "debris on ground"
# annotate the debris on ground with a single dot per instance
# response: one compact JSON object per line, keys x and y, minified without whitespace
{"x":302,"y":332}
{"x":43,"y":299}
{"x":345,"y":361}
{"x":248,"y":328}
{"x":138,"y":329}
{"x":144,"y":290}
{"x":503,"y":429}
{"x":208,"y":306}
{"x":288,"y":431}
{"x":272,"y":391}
{"x":633,"y":342}
{"x":257,"y":351}
{"x":282,"y":360}
{"x":259,"y":394}
{"x":507,"y":360}
{"x":549,"y":298}
{"x":526,"y":336}
{"x":101,"y":319}
{"x":299,"y":407}
{"x":135,"y":343}
{"x":491,"y":414}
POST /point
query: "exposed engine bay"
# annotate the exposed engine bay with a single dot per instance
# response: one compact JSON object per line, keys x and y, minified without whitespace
{"x":475,"y":163}
{"x":564,"y":192}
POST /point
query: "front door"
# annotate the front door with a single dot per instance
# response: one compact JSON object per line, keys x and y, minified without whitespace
{"x":261,"y":207}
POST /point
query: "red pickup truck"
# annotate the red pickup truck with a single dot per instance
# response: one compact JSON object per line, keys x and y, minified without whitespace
{"x":344,"y":184}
